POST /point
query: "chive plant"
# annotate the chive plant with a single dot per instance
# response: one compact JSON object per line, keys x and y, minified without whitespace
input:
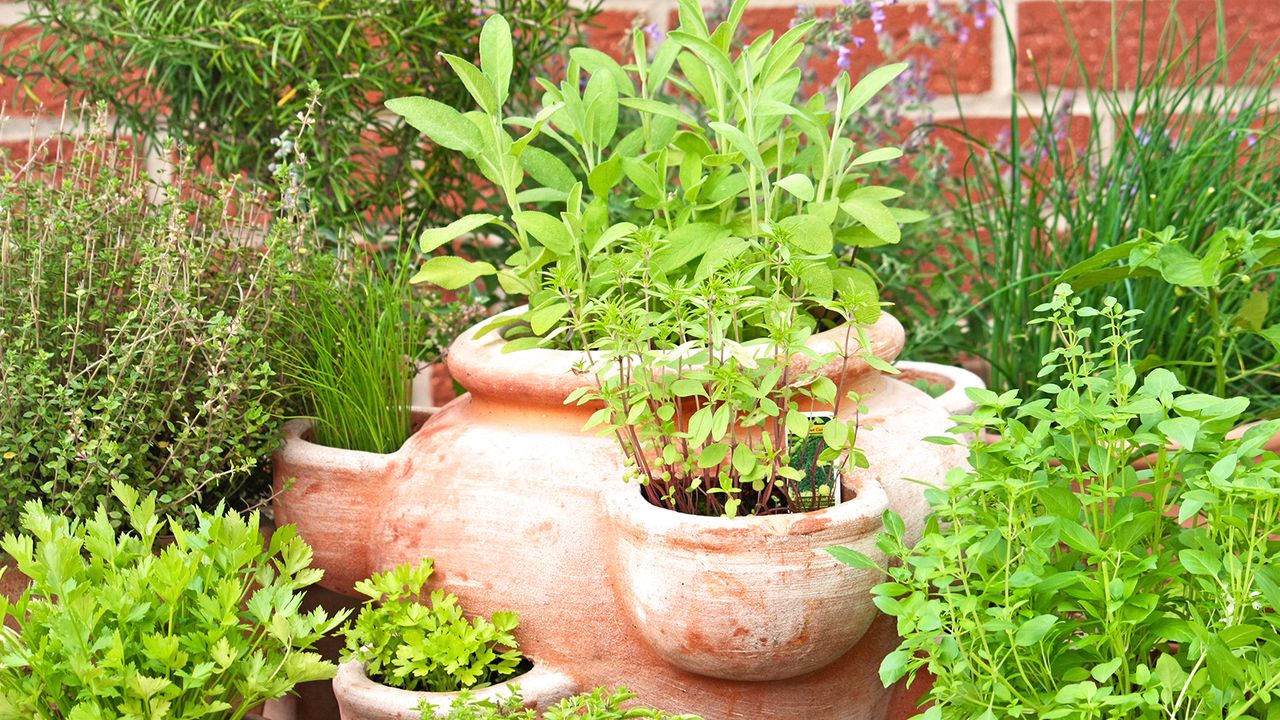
{"x":354,"y":359}
{"x":1193,"y":147}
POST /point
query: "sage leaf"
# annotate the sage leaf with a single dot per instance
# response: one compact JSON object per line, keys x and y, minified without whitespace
{"x":496,"y":55}
{"x":451,"y":272}
{"x":436,"y":237}
{"x":440,"y":123}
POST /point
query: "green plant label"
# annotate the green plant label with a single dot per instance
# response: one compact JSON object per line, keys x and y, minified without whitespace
{"x":820,"y":487}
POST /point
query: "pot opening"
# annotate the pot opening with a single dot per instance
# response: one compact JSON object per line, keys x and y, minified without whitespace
{"x":418,"y":417}
{"x":778,"y":504}
{"x":525,"y":666}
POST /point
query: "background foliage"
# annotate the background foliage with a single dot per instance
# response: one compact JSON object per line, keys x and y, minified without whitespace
{"x":1195,"y":148}
{"x":228,"y":82}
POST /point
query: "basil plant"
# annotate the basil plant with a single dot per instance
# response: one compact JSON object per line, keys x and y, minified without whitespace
{"x":682,"y":217}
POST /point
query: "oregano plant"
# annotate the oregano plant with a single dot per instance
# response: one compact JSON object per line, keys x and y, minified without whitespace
{"x":1113,"y":551}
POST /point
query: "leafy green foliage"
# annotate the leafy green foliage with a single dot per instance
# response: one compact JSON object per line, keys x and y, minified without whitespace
{"x":599,"y":704}
{"x":1230,"y":283}
{"x":139,"y":340}
{"x":229,"y":84}
{"x":121,"y":626}
{"x":691,"y":257}
{"x":1114,"y":553}
{"x":742,"y":173}
{"x":429,"y":647}
{"x":708,"y":420}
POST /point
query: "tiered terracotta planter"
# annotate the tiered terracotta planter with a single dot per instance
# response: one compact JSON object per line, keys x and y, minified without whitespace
{"x":523,"y":510}
{"x":360,"y":698}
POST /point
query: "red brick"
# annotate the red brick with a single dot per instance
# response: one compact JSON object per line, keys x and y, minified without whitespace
{"x":35,"y":96}
{"x":15,"y":154}
{"x":610,"y":32}
{"x":1047,"y":32}
{"x":961,"y":135}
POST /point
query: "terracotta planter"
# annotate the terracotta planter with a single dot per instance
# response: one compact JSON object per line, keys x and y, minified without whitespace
{"x":754,"y":598}
{"x":955,"y":379}
{"x":360,"y":698}
{"x":325,"y":491}
{"x":507,"y":493}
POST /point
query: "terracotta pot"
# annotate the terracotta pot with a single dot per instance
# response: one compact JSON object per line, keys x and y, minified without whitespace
{"x":507,"y":493}
{"x":360,"y":698}
{"x":755,"y":598}
{"x":956,"y":380}
{"x":325,"y":491}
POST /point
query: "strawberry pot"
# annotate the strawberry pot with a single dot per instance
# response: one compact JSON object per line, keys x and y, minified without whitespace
{"x":322,"y":490}
{"x":522,"y":510}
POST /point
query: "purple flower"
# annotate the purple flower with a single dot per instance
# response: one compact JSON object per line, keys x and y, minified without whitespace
{"x":844,"y":57}
{"x":963,"y":34}
{"x":858,"y":41}
{"x":877,"y":17}
{"x":1251,"y":139}
{"x":653,"y":32}
{"x":983,"y":12}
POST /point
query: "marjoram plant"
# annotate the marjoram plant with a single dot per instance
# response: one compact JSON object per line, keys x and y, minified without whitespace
{"x":430,"y":647}
{"x":123,"y":626}
{"x":1112,"y":553}
{"x":692,"y":257}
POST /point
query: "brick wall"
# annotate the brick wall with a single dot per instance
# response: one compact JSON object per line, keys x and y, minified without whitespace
{"x":976,"y":66}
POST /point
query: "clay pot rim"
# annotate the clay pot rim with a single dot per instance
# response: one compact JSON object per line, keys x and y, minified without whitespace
{"x":633,"y":515}
{"x":294,"y":436}
{"x":546,"y":376}
{"x":956,"y":378}
{"x":352,"y":683}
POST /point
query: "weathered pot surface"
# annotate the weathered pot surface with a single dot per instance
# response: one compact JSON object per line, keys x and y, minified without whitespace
{"x":956,"y":379}
{"x":360,"y":698}
{"x":506,"y":492}
{"x":307,"y":479}
{"x":751,"y":598}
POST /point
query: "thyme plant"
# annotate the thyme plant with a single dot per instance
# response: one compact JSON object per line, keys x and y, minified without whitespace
{"x":698,"y":247}
{"x":140,"y":339}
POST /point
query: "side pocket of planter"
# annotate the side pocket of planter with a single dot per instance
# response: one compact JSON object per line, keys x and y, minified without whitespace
{"x":360,"y":698}
{"x":331,"y":495}
{"x":755,"y":598}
